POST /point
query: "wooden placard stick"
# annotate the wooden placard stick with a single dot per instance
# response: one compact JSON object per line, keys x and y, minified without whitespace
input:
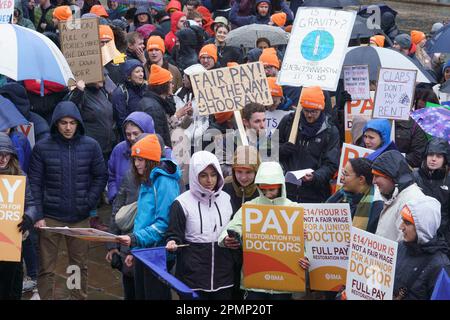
{"x":241,"y":129}
{"x":294,"y":129}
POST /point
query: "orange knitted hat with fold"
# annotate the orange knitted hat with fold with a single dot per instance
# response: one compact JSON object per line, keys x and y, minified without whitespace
{"x":159,"y":75}
{"x":156,"y":42}
{"x":269,"y":57}
{"x":147,"y":148}
{"x":209,"y":50}
{"x":232,"y":64}
{"x":279,"y":19}
{"x":62,"y":13}
{"x":105,"y":32}
{"x":417,"y":36}
{"x":406,"y":214}
{"x":275,"y":89}
{"x":312,"y":98}
{"x":223,"y":117}
{"x":99,"y":11}
{"x":378,"y":40}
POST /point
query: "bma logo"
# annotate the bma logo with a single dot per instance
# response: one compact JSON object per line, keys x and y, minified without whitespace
{"x":74,"y":280}
{"x":274,"y":277}
{"x":330,"y":276}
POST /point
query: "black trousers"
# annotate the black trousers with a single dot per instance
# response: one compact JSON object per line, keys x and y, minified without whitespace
{"x":11,"y":277}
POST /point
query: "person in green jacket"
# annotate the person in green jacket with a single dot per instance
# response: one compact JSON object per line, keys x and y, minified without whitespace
{"x":43,"y":15}
{"x":272,"y":191}
{"x":20,"y":20}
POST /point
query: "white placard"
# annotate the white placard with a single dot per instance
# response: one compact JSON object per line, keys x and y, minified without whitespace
{"x":6,"y":11}
{"x":317,"y":48}
{"x":371,"y":267}
{"x":356,"y":82}
{"x":395,"y":93}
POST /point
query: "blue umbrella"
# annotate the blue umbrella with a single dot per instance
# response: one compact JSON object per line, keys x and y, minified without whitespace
{"x":440,"y":42}
{"x":442,"y":287}
{"x":434,"y":121}
{"x":27,"y":54}
{"x":10,"y":117}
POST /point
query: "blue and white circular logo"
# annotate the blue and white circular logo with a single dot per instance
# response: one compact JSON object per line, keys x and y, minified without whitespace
{"x":317,"y":45}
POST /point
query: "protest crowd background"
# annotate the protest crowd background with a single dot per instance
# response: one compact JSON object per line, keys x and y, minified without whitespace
{"x":152,"y":123}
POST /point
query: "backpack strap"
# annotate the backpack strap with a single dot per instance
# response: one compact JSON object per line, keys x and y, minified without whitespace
{"x":125,"y":92}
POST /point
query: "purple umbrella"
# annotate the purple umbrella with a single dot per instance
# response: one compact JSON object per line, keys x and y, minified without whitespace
{"x":434,"y":121}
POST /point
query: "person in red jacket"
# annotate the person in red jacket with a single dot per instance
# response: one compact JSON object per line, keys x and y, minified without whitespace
{"x":178,"y":19}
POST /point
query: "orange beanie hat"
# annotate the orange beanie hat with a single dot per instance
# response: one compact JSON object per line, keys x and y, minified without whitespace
{"x":378,"y":40}
{"x":269,"y":57}
{"x":209,"y":50}
{"x":312,"y":98}
{"x":159,"y":75}
{"x":417,"y":36}
{"x":406,"y":214}
{"x":288,"y":28}
{"x":62,"y":13}
{"x":105,"y":32}
{"x":232,"y":64}
{"x":147,"y":148}
{"x":275,"y":89}
{"x":99,"y":11}
{"x":223,"y":117}
{"x":156,"y":42}
{"x":279,"y":19}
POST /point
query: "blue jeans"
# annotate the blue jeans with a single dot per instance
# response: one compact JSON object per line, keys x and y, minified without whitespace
{"x":30,"y":254}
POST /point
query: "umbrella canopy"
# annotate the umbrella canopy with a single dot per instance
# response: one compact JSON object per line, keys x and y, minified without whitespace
{"x":383,"y":8}
{"x":434,"y":121}
{"x":360,"y":29}
{"x":445,"y":87}
{"x":331,"y":3}
{"x":28,"y":54}
{"x":246,"y":36}
{"x":377,"y":57}
{"x":440,"y":42}
{"x":10,"y":116}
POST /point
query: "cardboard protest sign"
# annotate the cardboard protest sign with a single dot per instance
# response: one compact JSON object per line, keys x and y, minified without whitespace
{"x":395,"y":93}
{"x":231,"y":88}
{"x":273,"y":119}
{"x":6,"y":11}
{"x":356,"y":81}
{"x":28,"y":131}
{"x":317,"y":48}
{"x":350,"y":151}
{"x":273,"y":244}
{"x":327,"y":239}
{"x":80,"y":45}
{"x":89,"y":234}
{"x":358,"y":108}
{"x":12,"y":202}
{"x":371,"y":266}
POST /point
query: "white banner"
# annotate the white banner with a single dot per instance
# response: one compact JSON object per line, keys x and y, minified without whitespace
{"x":6,"y":11}
{"x":317,"y":48}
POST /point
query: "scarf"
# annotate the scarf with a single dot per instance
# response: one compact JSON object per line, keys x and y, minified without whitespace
{"x":363,"y":210}
{"x":309,"y":130}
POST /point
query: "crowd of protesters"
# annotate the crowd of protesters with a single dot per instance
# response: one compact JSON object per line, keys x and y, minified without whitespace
{"x":138,"y":139}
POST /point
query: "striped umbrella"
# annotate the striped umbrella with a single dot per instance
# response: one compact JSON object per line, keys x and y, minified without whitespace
{"x":27,"y":54}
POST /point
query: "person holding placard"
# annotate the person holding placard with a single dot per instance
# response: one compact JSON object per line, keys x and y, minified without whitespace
{"x":197,"y":217}
{"x":394,"y":179}
{"x":421,"y":254}
{"x":358,"y":190}
{"x":11,"y":273}
{"x":316,"y":147}
{"x":271,"y":187}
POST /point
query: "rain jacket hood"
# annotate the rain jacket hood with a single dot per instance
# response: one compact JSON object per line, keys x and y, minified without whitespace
{"x":199,"y":161}
{"x":248,"y":156}
{"x":426,"y":212}
{"x":10,"y":117}
{"x":176,"y":16}
{"x":271,"y":173}
{"x":66,"y":109}
{"x":382,"y":127}
{"x":139,"y":11}
{"x":18,"y":95}
{"x":128,"y":66}
{"x":440,"y":146}
{"x":142,"y":120}
{"x":393,"y":164}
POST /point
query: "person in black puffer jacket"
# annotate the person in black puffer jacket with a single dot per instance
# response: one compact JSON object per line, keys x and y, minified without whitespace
{"x":434,"y":180}
{"x":316,"y":147}
{"x":422,"y":254}
{"x":158,"y":101}
{"x":67,"y":176}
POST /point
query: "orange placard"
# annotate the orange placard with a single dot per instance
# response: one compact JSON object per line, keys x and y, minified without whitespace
{"x":360,"y":108}
{"x":350,"y":151}
{"x":273,"y":242}
{"x":12,"y":198}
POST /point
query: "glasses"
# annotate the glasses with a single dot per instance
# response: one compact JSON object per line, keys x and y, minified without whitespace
{"x":311,"y":112}
{"x":345,"y":174}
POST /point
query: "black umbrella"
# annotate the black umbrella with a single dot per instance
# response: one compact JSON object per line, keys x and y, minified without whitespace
{"x":440,"y":43}
{"x":383,"y":8}
{"x":331,"y":3}
{"x":361,"y":30}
